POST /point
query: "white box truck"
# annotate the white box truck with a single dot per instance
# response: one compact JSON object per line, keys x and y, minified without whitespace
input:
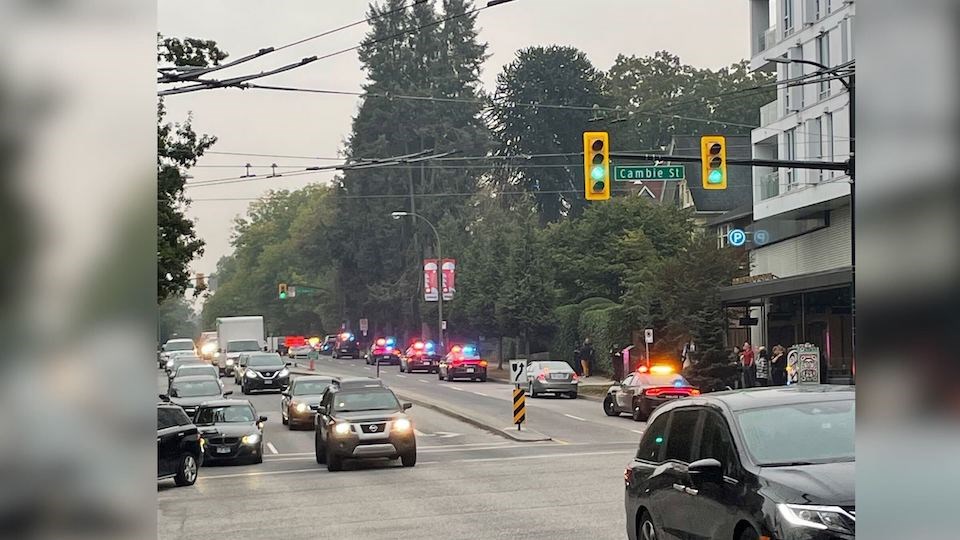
{"x":237,"y":335}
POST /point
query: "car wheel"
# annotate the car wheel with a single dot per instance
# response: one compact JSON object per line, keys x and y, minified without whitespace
{"x":483,"y":379}
{"x":187,"y":470}
{"x":749,"y":534}
{"x":639,"y":412}
{"x":531,"y":391}
{"x":259,"y":457}
{"x":334,"y":462}
{"x":319,"y":449}
{"x":646,"y":530}
{"x":573,"y":395}
{"x":449,"y":377}
{"x":409,"y":459}
{"x":243,"y":389}
{"x":608,"y":407}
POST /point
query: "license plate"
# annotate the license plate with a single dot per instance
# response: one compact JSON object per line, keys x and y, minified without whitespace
{"x":558,"y":376}
{"x":223,"y":450}
{"x":267,"y":382}
{"x":469,"y":370}
{"x":670,"y":396}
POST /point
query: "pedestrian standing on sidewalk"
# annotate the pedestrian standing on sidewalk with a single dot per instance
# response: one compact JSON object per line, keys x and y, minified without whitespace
{"x":763,"y":366}
{"x":587,"y":357}
{"x":735,"y":361}
{"x":749,"y":368}
{"x":778,"y":366}
{"x":578,"y":360}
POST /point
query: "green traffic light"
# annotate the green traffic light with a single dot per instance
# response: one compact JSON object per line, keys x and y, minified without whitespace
{"x":597,"y":172}
{"x":283,"y":296}
{"x":715,"y":177}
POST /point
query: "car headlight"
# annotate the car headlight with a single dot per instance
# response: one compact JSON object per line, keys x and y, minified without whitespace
{"x":342,"y":428}
{"x":283,"y":372}
{"x":301,"y":407}
{"x":169,"y":363}
{"x":251,"y":373}
{"x":253,"y":438}
{"x":823,"y":518}
{"x":402,"y":424}
{"x":229,"y":361}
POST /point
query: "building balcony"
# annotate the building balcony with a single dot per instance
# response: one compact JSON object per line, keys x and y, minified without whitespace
{"x":769,"y":185}
{"x":769,"y":113}
{"x":765,"y":40}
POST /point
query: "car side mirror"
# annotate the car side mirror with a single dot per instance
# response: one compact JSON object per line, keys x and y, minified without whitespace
{"x":262,"y":419}
{"x":289,"y":364}
{"x":406,"y":406}
{"x":228,"y":393}
{"x":164,"y":397}
{"x":707,"y":470}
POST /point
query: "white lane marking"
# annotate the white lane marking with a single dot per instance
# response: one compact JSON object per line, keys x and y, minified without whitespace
{"x":574,"y":417}
{"x":401,"y":376}
{"x":479,"y":393}
{"x":265,"y":473}
{"x":272,"y":448}
{"x":456,"y":388}
{"x":366,"y":367}
{"x":423,"y":380}
{"x":637,"y":431}
{"x":418,"y":433}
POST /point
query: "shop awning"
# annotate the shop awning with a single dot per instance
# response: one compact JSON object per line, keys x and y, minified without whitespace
{"x":744,"y":293}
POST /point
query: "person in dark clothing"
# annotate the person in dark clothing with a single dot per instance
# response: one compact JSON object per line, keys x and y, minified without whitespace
{"x":778,"y":366}
{"x":587,"y":357}
{"x":577,"y":357}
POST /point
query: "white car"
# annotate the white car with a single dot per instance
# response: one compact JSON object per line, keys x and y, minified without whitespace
{"x":180,"y":345}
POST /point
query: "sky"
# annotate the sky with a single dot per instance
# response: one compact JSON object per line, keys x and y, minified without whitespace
{"x":703,"y":33}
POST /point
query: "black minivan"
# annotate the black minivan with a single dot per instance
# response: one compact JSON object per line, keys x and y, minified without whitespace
{"x":761,"y":463}
{"x":178,"y":445}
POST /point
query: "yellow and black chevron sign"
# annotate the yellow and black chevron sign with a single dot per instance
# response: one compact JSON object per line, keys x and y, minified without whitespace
{"x":519,"y":407}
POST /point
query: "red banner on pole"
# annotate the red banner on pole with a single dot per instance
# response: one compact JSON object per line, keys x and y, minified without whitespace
{"x":430,"y":283}
{"x":449,"y":271}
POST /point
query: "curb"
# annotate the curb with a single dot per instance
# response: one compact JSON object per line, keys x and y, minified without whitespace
{"x":508,"y":434}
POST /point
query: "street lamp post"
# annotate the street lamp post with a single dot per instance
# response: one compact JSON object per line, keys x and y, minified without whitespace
{"x":850,"y":84}
{"x":398,"y":215}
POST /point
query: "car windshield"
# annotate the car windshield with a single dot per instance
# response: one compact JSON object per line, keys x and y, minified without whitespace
{"x":243,"y":346}
{"x":367,"y":400}
{"x":671,"y":379}
{"x":225,"y":414}
{"x":799,"y":434}
{"x":179,"y":346}
{"x":186,"y":389}
{"x":556,"y":366}
{"x":265,"y":361}
{"x":309,"y":388}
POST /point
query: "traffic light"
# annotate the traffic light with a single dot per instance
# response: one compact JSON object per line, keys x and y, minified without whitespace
{"x":713,"y":161}
{"x":282,"y":291}
{"x":596,"y":165}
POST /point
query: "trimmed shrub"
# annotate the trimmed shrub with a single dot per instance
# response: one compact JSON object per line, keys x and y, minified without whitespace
{"x":605,"y":326}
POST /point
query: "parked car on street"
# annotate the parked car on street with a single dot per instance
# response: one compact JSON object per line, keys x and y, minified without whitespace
{"x":231,"y":431}
{"x":420,"y":356}
{"x":383,"y":350}
{"x":748,"y":464}
{"x":178,"y":445}
{"x":642,"y":391}
{"x":363,"y":421}
{"x":551,"y":377}
{"x":298,"y":403}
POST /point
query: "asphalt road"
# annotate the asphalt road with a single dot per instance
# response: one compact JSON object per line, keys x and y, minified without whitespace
{"x":468,"y":483}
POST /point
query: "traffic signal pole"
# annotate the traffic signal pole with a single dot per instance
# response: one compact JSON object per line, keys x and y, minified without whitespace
{"x":845,"y":166}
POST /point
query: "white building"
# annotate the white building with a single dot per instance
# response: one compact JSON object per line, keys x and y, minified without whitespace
{"x":801,"y":236}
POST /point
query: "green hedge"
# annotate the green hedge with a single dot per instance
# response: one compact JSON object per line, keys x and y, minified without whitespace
{"x":567,"y":334}
{"x":605,"y":326}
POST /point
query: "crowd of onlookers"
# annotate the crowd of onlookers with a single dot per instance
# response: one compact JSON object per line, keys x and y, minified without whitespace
{"x":758,"y":367}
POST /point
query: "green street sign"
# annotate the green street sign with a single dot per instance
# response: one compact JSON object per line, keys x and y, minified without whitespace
{"x":647,"y":172}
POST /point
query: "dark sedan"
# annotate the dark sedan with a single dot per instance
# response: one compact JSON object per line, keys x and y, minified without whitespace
{"x":761,"y":463}
{"x":462,"y":363}
{"x":420,"y":356}
{"x":383,"y":351}
{"x":189,"y":392}
{"x":346,"y":345}
{"x":298,"y":404}
{"x":231,"y":431}
{"x":264,"y":371}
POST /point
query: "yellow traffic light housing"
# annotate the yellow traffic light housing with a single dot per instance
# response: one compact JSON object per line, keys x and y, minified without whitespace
{"x":282,"y":291}
{"x":596,"y":165}
{"x":713,"y":161}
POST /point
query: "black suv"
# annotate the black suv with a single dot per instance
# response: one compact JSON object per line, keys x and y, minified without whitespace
{"x":264,"y":371}
{"x":178,"y":445}
{"x":759,"y":463}
{"x":363,"y":421}
{"x":346,"y":345}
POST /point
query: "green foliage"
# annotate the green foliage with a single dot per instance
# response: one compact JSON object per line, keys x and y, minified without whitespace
{"x":567,"y":335}
{"x":604,"y":326}
{"x":178,"y":148}
{"x":555,"y":75}
{"x":177,"y":319}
